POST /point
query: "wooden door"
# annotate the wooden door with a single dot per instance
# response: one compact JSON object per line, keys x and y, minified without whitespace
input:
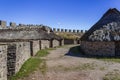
{"x":117,"y":48}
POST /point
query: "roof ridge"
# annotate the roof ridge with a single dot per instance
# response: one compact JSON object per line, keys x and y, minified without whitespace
{"x":111,"y":11}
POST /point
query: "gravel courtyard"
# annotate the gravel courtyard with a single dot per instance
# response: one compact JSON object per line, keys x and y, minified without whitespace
{"x":59,"y":66}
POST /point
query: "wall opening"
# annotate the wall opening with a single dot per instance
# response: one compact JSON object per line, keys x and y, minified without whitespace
{"x":51,"y":43}
{"x":11,"y":59}
{"x":40,"y":45}
{"x":117,"y":49}
{"x":31,"y":48}
{"x":77,"y":42}
{"x":60,"y":42}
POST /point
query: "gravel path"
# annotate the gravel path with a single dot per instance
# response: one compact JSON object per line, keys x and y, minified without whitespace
{"x":64,"y":67}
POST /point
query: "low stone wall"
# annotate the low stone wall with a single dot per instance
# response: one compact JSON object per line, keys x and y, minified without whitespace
{"x":98,"y":48}
{"x":36,"y":47}
{"x":22,"y":54}
{"x":44,"y":44}
{"x":3,"y":62}
{"x":17,"y":54}
{"x":55,"y":43}
{"x":70,"y":41}
{"x":61,"y":42}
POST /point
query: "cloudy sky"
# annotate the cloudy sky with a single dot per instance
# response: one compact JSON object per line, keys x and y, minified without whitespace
{"x":69,"y":14}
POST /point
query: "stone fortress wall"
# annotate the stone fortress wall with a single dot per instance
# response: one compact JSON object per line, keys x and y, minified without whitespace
{"x":71,"y":32}
{"x":13,"y":25}
{"x":68,"y":30}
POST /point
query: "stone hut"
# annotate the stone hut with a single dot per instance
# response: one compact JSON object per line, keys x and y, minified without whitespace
{"x":56,"y":40}
{"x":103,"y":38}
{"x":31,"y":35}
{"x":22,"y":44}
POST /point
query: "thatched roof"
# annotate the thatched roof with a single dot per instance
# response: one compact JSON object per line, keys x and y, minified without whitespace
{"x":106,"y":29}
{"x":23,"y":34}
{"x":54,"y":36}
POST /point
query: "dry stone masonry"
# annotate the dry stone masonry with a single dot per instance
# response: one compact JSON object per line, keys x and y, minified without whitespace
{"x":3,"y":62}
{"x":98,"y":48}
{"x":44,"y":44}
{"x":55,"y":43}
{"x":35,"y":46}
{"x":17,"y":54}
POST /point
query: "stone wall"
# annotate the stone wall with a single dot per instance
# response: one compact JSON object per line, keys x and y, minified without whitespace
{"x":12,"y":24}
{"x":3,"y":62}
{"x":3,"y":24}
{"x":22,"y":54}
{"x":44,"y":44}
{"x":36,"y":46}
{"x":98,"y":48}
{"x":55,"y":43}
{"x":61,"y":42}
{"x":70,"y":41}
{"x":18,"y":53}
{"x":68,"y":30}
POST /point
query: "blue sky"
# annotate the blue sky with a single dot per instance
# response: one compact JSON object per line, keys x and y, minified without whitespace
{"x":69,"y":14}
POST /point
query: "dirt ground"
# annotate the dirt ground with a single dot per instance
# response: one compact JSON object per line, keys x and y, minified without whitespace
{"x":59,"y":66}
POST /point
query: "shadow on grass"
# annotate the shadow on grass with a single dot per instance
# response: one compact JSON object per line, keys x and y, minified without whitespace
{"x":77,"y":52}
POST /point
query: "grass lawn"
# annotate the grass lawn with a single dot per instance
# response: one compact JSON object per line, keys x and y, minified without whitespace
{"x":109,"y":59}
{"x":44,"y":52}
{"x":28,"y":67}
{"x":32,"y":65}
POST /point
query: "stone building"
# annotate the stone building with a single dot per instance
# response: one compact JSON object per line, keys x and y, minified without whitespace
{"x":17,"y":54}
{"x":22,"y":44}
{"x":103,"y":38}
{"x":56,"y":40}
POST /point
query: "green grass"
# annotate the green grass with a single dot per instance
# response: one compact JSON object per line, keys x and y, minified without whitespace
{"x":32,"y":64}
{"x":44,"y":52}
{"x":115,"y":75}
{"x":110,"y":59}
{"x":64,"y":46}
{"x":28,"y":67}
{"x":75,"y":49}
{"x":67,"y":35}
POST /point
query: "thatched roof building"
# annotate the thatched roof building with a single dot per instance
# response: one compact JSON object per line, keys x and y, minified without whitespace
{"x":106,"y":29}
{"x":23,"y":34}
{"x":103,"y":38}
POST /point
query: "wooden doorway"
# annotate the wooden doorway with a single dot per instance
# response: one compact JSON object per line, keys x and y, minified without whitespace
{"x":51,"y":43}
{"x":11,"y":59}
{"x":31,"y":48}
{"x":117,"y":48}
